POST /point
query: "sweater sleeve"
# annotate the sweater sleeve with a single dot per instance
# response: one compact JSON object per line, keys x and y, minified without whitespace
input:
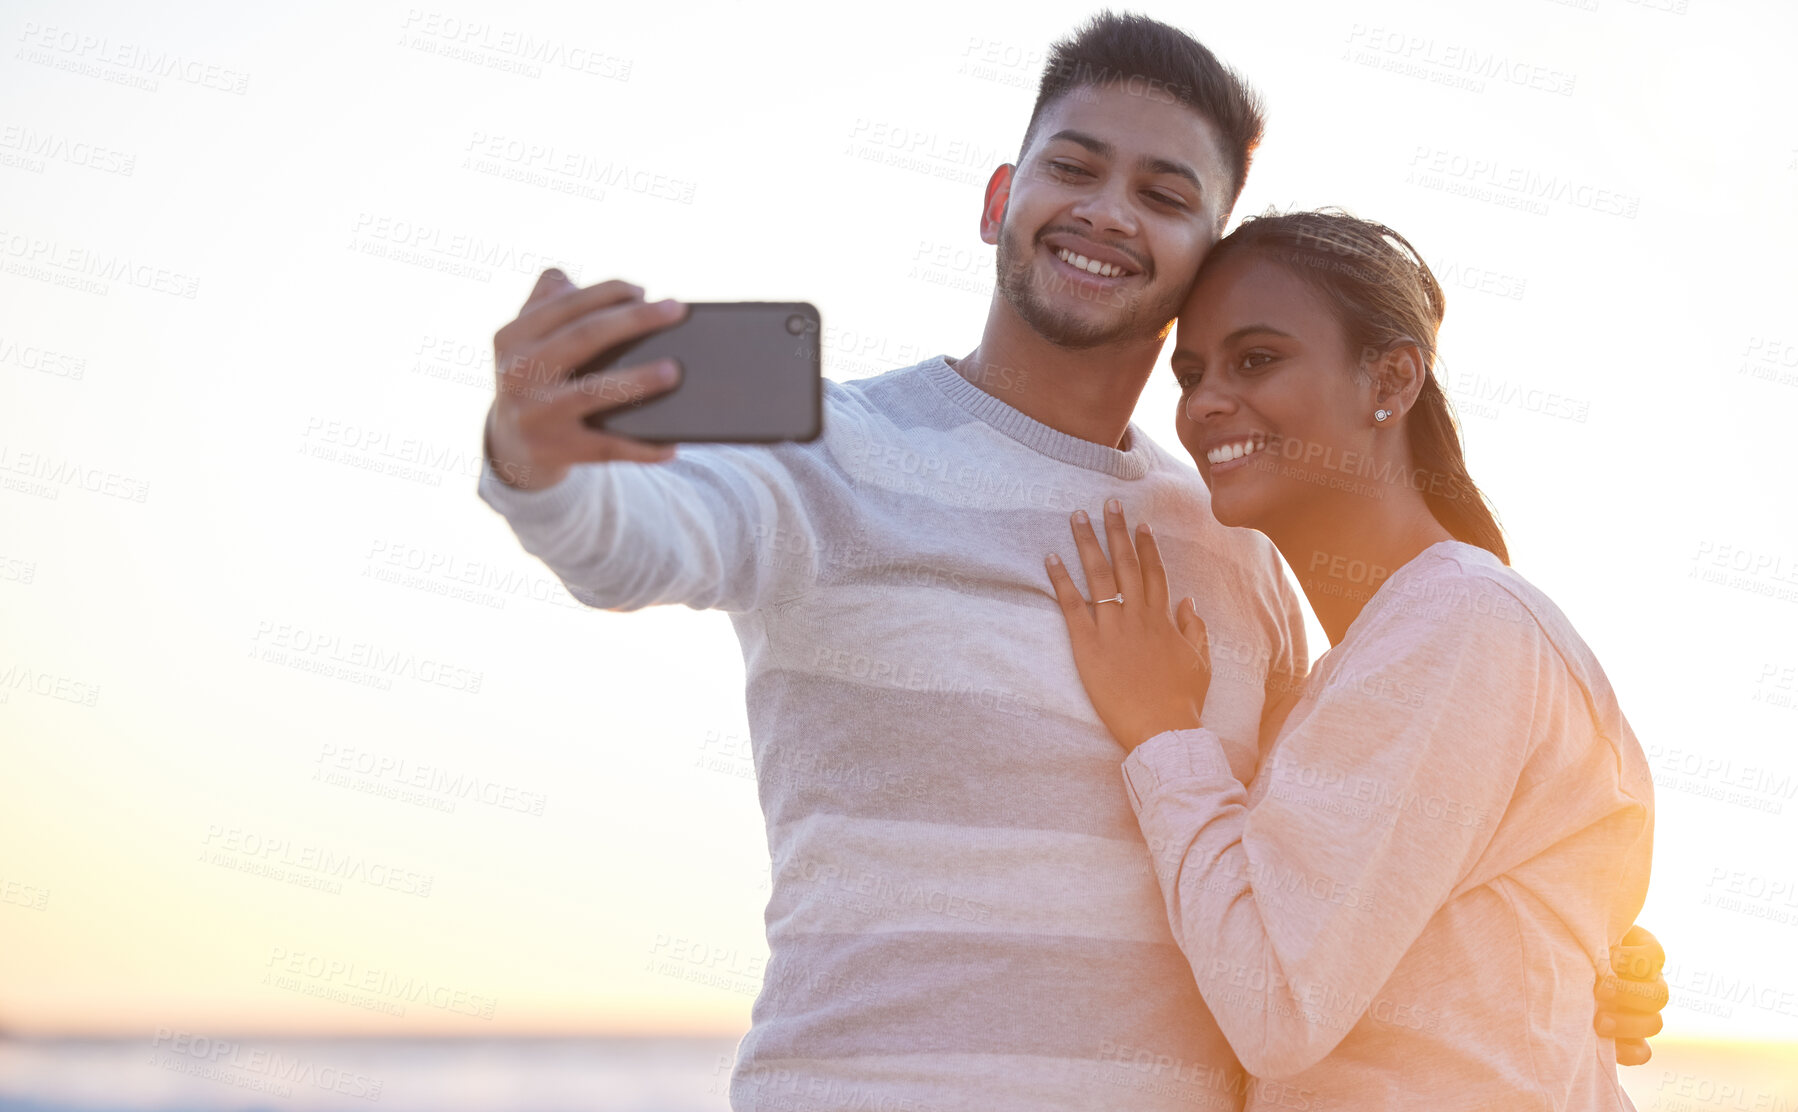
{"x":719,"y":526}
{"x":1387,"y":785}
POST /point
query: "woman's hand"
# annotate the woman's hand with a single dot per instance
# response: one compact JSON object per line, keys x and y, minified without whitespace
{"x":1144,"y":671}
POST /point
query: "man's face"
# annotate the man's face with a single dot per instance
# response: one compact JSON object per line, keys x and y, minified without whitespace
{"x":1110,"y":212}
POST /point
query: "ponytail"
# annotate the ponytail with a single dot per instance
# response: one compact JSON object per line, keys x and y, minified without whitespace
{"x":1456,"y":502}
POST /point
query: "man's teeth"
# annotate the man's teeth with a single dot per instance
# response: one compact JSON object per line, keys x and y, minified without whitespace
{"x":1091,"y":266}
{"x":1224,"y":453}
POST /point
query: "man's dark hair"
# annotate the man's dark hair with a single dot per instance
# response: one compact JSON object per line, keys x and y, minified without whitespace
{"x":1153,"y":60}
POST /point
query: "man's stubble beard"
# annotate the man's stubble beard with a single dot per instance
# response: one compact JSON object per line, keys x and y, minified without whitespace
{"x":1134,"y":321}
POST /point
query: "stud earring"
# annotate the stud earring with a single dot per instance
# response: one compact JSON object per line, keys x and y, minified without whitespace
{"x":1381,"y":414}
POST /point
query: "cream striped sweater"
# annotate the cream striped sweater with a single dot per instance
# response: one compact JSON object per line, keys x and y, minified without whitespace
{"x":963,"y":912}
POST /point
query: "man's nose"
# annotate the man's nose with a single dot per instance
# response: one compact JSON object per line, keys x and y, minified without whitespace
{"x":1108,"y":209}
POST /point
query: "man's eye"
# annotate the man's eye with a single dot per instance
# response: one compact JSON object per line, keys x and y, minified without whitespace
{"x":1068,"y":168}
{"x":1168,"y":199}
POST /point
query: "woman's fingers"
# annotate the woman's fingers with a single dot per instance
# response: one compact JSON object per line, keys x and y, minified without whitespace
{"x":1099,"y":578}
{"x":1123,"y":554}
{"x":1633,"y":1052}
{"x":1192,"y":627}
{"x":1073,"y":607}
{"x":1154,"y":574}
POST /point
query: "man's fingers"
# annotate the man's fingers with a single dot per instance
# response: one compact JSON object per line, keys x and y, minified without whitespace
{"x":1626,"y":997}
{"x":1638,"y":961}
{"x":599,"y":447}
{"x":562,"y":303}
{"x":597,"y":393}
{"x":1633,"y":1052}
{"x":537,"y":423}
{"x":1637,"y":935}
{"x":551,"y":283}
{"x":1613,"y":1026}
{"x":589,"y":336}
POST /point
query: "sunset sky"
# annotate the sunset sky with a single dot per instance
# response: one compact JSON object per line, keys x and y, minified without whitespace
{"x":287,"y":717}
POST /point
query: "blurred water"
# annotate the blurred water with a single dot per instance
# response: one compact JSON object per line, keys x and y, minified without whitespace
{"x":600,"y":1075}
{"x":389,"y":1075}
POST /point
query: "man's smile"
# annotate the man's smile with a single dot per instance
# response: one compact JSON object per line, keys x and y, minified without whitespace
{"x":1087,"y":261}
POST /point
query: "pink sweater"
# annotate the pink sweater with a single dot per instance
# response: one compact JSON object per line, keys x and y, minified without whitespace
{"x":1410,"y":905}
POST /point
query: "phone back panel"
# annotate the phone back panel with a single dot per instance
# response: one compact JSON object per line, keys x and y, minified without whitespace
{"x":751,"y":371}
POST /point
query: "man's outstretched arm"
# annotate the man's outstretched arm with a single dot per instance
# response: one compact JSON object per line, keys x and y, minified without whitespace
{"x":713,"y":526}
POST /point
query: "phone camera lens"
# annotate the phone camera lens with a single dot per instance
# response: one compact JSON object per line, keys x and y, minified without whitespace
{"x":797,"y":324}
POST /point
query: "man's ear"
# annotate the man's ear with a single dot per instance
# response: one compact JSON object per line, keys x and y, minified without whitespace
{"x":1399,"y":375}
{"x":998,"y":195}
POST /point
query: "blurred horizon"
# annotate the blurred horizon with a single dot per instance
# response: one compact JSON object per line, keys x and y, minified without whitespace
{"x":613,"y":1075}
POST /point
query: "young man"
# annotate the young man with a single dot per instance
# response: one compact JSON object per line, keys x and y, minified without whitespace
{"x":963,"y":912}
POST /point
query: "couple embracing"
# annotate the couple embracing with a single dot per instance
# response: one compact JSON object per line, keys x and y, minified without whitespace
{"x":1147,"y":853}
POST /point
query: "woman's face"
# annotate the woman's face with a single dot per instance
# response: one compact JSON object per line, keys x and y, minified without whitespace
{"x":1271,"y":407}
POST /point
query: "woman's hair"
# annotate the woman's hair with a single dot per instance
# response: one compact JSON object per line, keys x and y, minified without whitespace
{"x":1383,"y":295}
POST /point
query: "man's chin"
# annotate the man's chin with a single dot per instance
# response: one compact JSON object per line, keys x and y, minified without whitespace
{"x":1080,"y":333}
{"x":1060,"y":314}
{"x":1086,"y":340}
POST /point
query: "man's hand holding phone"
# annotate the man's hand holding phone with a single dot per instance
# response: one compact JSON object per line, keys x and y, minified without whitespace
{"x":535,"y":429}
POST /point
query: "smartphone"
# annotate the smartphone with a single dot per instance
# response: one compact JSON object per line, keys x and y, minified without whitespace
{"x":751,"y":372}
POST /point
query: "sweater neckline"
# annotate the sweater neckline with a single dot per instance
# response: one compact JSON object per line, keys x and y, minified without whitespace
{"x":1033,"y":434}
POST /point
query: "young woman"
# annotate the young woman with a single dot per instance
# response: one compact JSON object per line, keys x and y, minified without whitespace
{"x":1450,"y":810}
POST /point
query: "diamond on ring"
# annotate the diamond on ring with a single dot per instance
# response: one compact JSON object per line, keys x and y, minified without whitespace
{"x":1117,"y":598}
